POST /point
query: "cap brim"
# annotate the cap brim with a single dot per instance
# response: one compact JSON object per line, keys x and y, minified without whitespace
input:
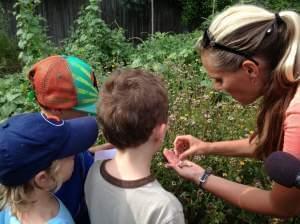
{"x":83,"y":134}
{"x":87,"y":108}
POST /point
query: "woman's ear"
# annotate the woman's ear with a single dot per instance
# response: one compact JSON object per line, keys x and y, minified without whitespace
{"x":251,"y":69}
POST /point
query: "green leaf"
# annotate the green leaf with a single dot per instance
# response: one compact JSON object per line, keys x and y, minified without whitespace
{"x":136,"y":63}
{"x":11,"y":97}
{"x":7,"y":109}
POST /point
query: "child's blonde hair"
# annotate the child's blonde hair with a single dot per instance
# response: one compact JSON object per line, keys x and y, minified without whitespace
{"x":18,"y":197}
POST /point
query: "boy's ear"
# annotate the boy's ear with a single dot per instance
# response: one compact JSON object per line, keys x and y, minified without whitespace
{"x":160,"y":131}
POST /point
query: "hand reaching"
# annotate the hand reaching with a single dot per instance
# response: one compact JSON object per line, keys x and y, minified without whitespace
{"x":187,"y":145}
{"x":185,"y":169}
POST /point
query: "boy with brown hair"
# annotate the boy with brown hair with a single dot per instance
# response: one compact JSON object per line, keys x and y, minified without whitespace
{"x":133,"y":112}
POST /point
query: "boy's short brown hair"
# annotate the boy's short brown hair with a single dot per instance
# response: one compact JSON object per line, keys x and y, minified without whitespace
{"x":132,"y":103}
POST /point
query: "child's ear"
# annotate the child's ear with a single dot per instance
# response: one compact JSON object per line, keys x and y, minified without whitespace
{"x":164,"y":128}
{"x":160,"y":131}
{"x":42,"y":180}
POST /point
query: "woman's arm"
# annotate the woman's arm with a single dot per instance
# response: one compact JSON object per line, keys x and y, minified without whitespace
{"x":280,"y":201}
{"x":238,"y":148}
{"x":187,"y":145}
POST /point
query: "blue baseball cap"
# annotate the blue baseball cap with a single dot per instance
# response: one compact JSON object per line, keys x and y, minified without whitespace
{"x":30,"y":142}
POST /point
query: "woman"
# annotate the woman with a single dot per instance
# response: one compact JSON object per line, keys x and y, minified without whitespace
{"x":251,"y":53}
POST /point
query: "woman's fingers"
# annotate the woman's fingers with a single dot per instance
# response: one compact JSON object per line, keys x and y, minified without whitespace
{"x":188,"y":145}
{"x":184,"y":163}
{"x":186,"y":154}
{"x":181,"y":144}
{"x":170,"y":156}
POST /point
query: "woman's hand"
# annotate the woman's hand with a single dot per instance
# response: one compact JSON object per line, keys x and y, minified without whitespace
{"x":185,"y":169}
{"x":187,"y":145}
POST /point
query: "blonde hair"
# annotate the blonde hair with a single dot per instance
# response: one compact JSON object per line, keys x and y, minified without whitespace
{"x":258,"y":32}
{"x":18,"y":197}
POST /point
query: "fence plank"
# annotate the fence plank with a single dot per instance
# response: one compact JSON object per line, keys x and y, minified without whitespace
{"x":60,"y":16}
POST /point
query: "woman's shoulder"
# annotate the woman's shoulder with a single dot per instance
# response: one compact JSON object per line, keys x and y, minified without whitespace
{"x":294,"y":105}
{"x":296,"y":98}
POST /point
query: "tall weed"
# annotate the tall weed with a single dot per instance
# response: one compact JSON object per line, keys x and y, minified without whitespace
{"x":91,"y":39}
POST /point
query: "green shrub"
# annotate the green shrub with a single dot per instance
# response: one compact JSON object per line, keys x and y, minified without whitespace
{"x":163,"y":49}
{"x":8,"y":48}
{"x":195,"y":12}
{"x":92,"y":40}
{"x":14,"y":90}
{"x":9,"y":62}
{"x":32,"y":39}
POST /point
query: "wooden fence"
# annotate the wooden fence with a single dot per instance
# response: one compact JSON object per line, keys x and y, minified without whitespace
{"x":60,"y":15}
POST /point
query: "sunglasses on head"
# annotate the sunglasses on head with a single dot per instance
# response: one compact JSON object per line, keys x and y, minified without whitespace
{"x":208,"y":41}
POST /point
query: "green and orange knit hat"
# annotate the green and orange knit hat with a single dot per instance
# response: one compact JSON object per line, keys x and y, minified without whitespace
{"x":64,"y":82}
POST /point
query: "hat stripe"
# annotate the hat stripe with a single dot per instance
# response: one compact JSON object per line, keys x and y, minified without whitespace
{"x":73,"y":59}
{"x":83,"y":70}
{"x":86,"y":93}
{"x":77,"y":70}
{"x":82,"y":64}
{"x":87,"y":84}
{"x":87,"y":101}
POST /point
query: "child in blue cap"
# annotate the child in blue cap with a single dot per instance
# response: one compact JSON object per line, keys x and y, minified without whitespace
{"x":65,"y":87}
{"x":36,"y":158}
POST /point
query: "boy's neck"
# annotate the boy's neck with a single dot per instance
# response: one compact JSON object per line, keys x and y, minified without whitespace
{"x":52,"y":114}
{"x":44,"y":208}
{"x":132,"y":163}
{"x":64,"y":114}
